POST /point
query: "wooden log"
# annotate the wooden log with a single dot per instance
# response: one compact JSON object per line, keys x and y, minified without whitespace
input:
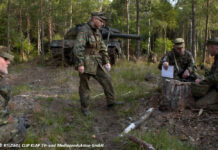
{"x":176,"y":94}
{"x":144,"y":144}
{"x":138,"y":122}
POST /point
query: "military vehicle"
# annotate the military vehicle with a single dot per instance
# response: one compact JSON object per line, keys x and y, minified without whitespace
{"x":62,"y":49}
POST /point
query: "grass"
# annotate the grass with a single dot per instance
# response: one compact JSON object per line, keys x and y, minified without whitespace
{"x":161,"y":140}
{"x":130,"y":78}
{"x":19,"y":89}
{"x":52,"y":125}
{"x":56,"y":128}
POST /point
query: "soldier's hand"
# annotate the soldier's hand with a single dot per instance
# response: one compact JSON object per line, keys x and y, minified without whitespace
{"x":108,"y":66}
{"x":197,"y":81}
{"x":165,"y":65}
{"x":81,"y":69}
{"x":186,"y":74}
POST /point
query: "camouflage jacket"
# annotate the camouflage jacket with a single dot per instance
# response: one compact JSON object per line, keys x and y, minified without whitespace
{"x":90,"y":49}
{"x":12,"y":129}
{"x":212,"y":77}
{"x":180,"y":63}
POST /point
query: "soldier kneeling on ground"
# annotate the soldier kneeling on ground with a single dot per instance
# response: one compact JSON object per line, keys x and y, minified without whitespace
{"x":12,"y":129}
{"x":206,"y":91}
{"x":182,"y":60}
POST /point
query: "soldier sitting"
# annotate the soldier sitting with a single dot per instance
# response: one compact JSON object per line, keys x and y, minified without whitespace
{"x":182,"y":60}
{"x":206,"y":91}
{"x":12,"y":129}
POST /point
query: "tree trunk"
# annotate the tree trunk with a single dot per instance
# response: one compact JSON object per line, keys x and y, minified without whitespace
{"x":176,"y":94}
{"x":39,"y":39}
{"x":71,"y":14}
{"x":193,"y":30}
{"x":165,"y":40}
{"x":190,"y":35}
{"x":50,"y":29}
{"x":137,"y":29}
{"x":183,"y":31}
{"x":206,"y":33}
{"x":28,"y":34}
{"x":127,"y":22}
{"x":42,"y":31}
{"x":149,"y":35}
{"x":21,"y":31}
{"x":8,"y":32}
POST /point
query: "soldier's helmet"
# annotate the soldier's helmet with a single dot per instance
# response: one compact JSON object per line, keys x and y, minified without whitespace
{"x":212,"y":41}
{"x":179,"y":43}
{"x":4,"y":53}
{"x":199,"y":90}
{"x":100,"y":15}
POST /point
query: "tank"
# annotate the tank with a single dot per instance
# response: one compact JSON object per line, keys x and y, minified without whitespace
{"x":110,"y":36}
{"x":62,"y":49}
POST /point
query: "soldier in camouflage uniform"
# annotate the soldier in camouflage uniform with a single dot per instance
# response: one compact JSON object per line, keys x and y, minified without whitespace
{"x":209,"y":98}
{"x":12,"y":129}
{"x":183,"y":62}
{"x":92,"y":60}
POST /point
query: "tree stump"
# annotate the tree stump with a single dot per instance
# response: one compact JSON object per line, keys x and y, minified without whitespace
{"x":176,"y":95}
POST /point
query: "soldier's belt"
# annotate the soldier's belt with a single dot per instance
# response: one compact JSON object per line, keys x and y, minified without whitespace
{"x":91,"y":51}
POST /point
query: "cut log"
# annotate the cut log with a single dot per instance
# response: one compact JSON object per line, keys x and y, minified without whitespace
{"x":176,"y":94}
{"x":141,"y":142}
{"x":138,"y":122}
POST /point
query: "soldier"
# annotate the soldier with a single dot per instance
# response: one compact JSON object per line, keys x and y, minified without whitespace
{"x":207,"y":89}
{"x":91,"y":60}
{"x":182,"y":60}
{"x":12,"y":129}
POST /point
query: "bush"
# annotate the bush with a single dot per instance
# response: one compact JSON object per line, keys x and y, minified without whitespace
{"x":32,"y":51}
{"x":159,"y":45}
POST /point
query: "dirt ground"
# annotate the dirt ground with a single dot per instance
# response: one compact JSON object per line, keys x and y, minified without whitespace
{"x":198,"y":130}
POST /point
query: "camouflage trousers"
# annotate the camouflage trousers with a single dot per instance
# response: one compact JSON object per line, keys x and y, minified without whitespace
{"x":104,"y":78}
{"x":209,"y":101}
{"x":12,"y":129}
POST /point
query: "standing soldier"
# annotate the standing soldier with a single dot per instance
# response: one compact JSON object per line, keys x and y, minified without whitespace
{"x":207,"y":89}
{"x":182,"y":60}
{"x":91,"y":60}
{"x":12,"y":129}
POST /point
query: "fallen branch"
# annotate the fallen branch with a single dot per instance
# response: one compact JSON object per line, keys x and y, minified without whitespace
{"x":98,"y":95}
{"x":200,"y":112}
{"x":141,"y":142}
{"x":138,"y":122}
{"x":127,"y":93}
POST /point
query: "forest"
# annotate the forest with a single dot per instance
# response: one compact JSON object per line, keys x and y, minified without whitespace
{"x":46,"y":93}
{"x":28,"y":27}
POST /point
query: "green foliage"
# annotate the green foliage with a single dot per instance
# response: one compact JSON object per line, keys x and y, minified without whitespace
{"x":58,"y":37}
{"x":18,"y":45}
{"x":159,"y":45}
{"x":164,"y":19}
{"x":164,"y":15}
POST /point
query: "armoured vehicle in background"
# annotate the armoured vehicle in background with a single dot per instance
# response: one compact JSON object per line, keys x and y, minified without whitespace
{"x":62,"y":49}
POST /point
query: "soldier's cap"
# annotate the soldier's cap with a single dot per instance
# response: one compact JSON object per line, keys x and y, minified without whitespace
{"x":100,"y":15}
{"x":179,"y":42}
{"x":212,"y":41}
{"x":4,"y":53}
